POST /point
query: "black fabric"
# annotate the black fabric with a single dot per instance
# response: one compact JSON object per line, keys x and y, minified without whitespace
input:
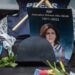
{"x":35,"y":49}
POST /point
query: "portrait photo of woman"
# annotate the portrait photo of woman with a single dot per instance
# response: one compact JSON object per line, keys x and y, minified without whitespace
{"x":50,"y":33}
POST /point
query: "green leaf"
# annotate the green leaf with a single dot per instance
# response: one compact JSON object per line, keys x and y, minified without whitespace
{"x":10,"y":55}
{"x":8,"y":61}
{"x":12,"y":59}
{"x":13,"y":64}
{"x":4,"y":59}
{"x":4,"y":64}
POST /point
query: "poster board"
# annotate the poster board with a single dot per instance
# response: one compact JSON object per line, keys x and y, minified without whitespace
{"x":60,"y":18}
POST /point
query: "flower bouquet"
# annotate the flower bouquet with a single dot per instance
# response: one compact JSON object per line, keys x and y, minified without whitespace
{"x":53,"y":71}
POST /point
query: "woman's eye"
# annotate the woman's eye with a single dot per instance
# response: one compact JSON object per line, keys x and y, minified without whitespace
{"x":47,"y":33}
{"x":52,"y":33}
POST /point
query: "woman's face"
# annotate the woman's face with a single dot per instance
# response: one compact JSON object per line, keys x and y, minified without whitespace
{"x":50,"y":35}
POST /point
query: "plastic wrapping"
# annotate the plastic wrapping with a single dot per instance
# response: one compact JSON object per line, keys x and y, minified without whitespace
{"x":8,"y":41}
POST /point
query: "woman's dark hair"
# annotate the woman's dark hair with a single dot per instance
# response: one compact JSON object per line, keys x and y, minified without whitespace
{"x":44,"y":29}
